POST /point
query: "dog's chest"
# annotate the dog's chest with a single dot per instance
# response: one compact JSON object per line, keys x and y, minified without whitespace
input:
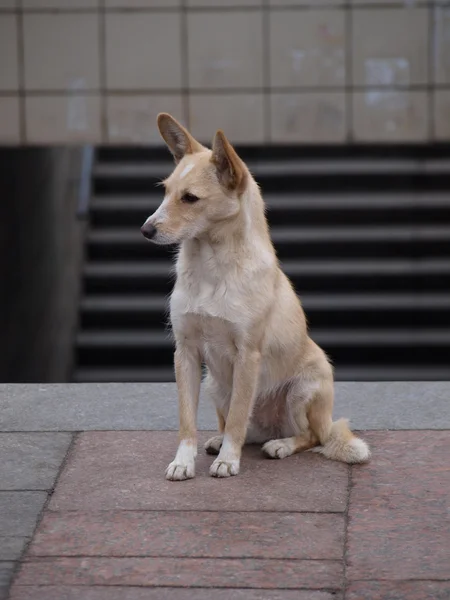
{"x":206,"y":289}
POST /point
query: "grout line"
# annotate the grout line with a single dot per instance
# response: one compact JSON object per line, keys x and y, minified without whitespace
{"x":349,"y":74}
{"x":224,"y":91}
{"x":75,"y":511}
{"x":39,"y":557}
{"x":102,"y":71}
{"x":209,"y":430}
{"x":21,"y":66}
{"x":184,"y":46}
{"x":346,"y":524}
{"x":431,"y":75}
{"x":146,"y":587}
{"x":267,"y":76}
{"x":420,"y":4}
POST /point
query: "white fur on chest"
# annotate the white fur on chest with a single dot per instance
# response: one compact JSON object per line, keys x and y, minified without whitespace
{"x":207,"y":289}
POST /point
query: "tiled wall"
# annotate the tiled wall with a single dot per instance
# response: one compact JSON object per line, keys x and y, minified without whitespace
{"x":281,"y":71}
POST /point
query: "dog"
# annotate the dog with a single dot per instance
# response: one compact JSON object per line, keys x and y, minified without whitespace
{"x":234,"y":310}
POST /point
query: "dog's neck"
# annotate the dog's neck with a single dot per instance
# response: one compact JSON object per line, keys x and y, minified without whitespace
{"x":244,"y":238}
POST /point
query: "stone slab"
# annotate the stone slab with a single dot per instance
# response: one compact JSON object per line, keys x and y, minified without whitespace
{"x":30,"y":461}
{"x":125,"y":470}
{"x":11,"y":548}
{"x":136,"y":406}
{"x":6,"y":572}
{"x":191,"y":534}
{"x":19,"y":512}
{"x":183,"y":572}
{"x":399,"y":522}
{"x":122,"y":593}
{"x":399,"y":590}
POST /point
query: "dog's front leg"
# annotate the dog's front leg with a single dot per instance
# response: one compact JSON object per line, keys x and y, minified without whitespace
{"x":188,"y":373}
{"x":245,"y":382}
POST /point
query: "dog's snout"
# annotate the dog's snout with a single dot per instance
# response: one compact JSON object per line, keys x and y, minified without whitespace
{"x":148,"y":231}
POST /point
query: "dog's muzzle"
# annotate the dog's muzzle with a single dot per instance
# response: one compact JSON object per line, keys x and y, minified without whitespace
{"x":149,"y":231}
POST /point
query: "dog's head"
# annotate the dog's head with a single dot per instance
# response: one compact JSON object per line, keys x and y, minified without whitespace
{"x":203,"y":190}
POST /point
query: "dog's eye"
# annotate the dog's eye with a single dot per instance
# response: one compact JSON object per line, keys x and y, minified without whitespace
{"x":189,"y":198}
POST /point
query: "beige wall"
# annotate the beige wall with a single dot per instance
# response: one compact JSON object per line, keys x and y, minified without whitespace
{"x":278,"y":71}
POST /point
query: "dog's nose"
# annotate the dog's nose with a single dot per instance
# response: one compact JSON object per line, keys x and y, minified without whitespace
{"x":148,"y":231}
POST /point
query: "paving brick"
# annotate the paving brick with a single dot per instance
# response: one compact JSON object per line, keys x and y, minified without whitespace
{"x":183,"y":572}
{"x":19,"y":512}
{"x":6,"y":571}
{"x":399,"y":590}
{"x":122,"y":593}
{"x":192,"y":534}
{"x":12,"y":547}
{"x":111,"y":470}
{"x":399,"y":525}
{"x":30,"y":461}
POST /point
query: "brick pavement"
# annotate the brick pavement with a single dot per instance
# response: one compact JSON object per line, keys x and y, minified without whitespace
{"x":303,"y":528}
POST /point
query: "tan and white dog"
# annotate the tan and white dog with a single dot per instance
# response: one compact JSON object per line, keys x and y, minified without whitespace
{"x":233,"y":309}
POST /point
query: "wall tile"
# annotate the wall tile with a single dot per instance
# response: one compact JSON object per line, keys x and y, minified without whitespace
{"x":63,"y":119}
{"x":316,"y":117}
{"x":387,"y":2}
{"x":61,"y":51}
{"x":311,"y":3}
{"x":390,"y":116}
{"x":225,"y":49}
{"x":9,"y":120}
{"x":441,"y":44}
{"x":9,"y":77}
{"x":132,"y":119}
{"x":142,"y":3}
{"x":221,"y":3}
{"x":307,"y":48}
{"x":390,"y":46}
{"x":241,"y":116}
{"x":143,"y":50}
{"x":442,"y":115}
{"x":60,"y":4}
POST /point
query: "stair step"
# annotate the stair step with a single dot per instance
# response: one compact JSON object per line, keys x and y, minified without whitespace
{"x":277,"y":153}
{"x":285,"y":209}
{"x":318,"y":235}
{"x":114,"y":374}
{"x":347,"y":373}
{"x":326,"y":176}
{"x":314,"y":242}
{"x":162,"y":169}
{"x":308,"y":276}
{"x":347,"y":337}
{"x":325,"y":302}
{"x":333,"y":310}
{"x":147,"y":339}
{"x":293,"y":201}
{"x":294,"y":267}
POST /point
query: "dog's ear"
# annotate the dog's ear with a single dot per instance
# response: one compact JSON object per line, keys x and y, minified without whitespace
{"x":178,"y":139}
{"x":231,"y":171}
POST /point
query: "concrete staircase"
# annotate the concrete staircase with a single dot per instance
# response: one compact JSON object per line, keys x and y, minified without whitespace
{"x":364,"y":234}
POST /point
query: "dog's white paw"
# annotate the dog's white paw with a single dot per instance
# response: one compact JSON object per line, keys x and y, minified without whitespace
{"x":222,"y":468}
{"x":178,"y":471}
{"x":214,"y":444}
{"x":277,"y":449}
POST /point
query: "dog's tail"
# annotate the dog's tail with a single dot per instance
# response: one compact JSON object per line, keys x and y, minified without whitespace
{"x":342,"y":445}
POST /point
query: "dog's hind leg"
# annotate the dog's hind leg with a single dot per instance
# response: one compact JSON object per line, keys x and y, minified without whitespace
{"x":311,"y":416}
{"x":300,"y":397}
